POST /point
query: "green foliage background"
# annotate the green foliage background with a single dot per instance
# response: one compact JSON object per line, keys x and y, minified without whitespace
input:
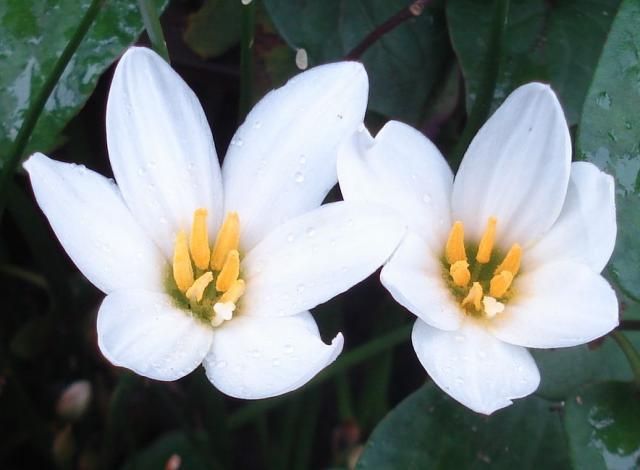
{"x":443,"y":72}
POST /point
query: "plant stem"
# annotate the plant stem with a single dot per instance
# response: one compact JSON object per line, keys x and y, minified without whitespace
{"x":348,"y":360}
{"x":630,"y":352}
{"x":246,"y":59}
{"x":487,"y":86}
{"x":34,"y":111}
{"x":629,"y":325}
{"x":151,"y":20}
{"x":414,"y":9}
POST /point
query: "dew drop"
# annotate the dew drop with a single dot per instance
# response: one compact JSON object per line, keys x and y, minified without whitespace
{"x":298,"y":177}
{"x":310,"y":232}
{"x":141,"y":171}
{"x":361,"y":128}
{"x":239,"y":142}
{"x":482,"y":354}
{"x":288,"y":349}
{"x":459,"y":380}
{"x":300,"y":289}
{"x":302,"y":59}
{"x":459,"y":338}
{"x":246,"y":2}
{"x":257,"y":125}
{"x":603,"y":100}
{"x":303,"y":160}
{"x":426,"y":198}
{"x":627,"y":125}
{"x":254,"y":353}
{"x":276,"y":362}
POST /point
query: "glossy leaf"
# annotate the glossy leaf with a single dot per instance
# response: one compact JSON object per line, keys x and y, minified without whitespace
{"x":32,"y":36}
{"x":609,"y":136}
{"x":403,"y":65}
{"x":430,"y":430}
{"x":554,"y":42}
{"x":602,"y":423}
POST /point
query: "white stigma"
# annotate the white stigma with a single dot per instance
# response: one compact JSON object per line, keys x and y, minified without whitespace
{"x":491,"y":306}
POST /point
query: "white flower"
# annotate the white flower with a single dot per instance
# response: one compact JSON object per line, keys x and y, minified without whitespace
{"x":239,"y":305}
{"x":504,"y":258}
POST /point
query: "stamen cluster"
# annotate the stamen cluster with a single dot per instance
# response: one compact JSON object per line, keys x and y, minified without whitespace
{"x":205,"y":280}
{"x":470,"y":281}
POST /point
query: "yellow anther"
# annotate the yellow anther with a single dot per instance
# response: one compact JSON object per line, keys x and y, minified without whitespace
{"x":454,"y":250}
{"x":511,"y":262}
{"x":233,"y":293}
{"x":474,"y":297}
{"x":486,"y":242}
{"x":500,"y":284}
{"x":199,"y":241}
{"x":460,"y":273}
{"x":491,"y":306}
{"x":196,"y":291}
{"x":228,"y":239}
{"x":230,"y":272}
{"x":182,"y":269}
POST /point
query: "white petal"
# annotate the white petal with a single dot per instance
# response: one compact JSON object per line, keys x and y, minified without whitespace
{"x":516,"y":169}
{"x":475,"y":368}
{"x":316,"y":256}
{"x":557,"y":305}
{"x":282,"y":160}
{"x":586,"y":229}
{"x":414,"y":276}
{"x":160,"y":147}
{"x":94,"y":226}
{"x":402,"y":169}
{"x":255,"y":357}
{"x":144,"y":331}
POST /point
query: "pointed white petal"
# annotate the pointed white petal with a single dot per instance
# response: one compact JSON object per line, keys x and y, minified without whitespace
{"x":160,"y":147}
{"x":94,"y":226}
{"x":516,"y":169}
{"x":144,"y":331}
{"x":586,"y":229}
{"x":559,"y":304}
{"x":473,"y":367}
{"x":402,"y":169}
{"x":282,"y":160}
{"x":316,"y":256}
{"x":255,"y":357}
{"x":415,"y":278}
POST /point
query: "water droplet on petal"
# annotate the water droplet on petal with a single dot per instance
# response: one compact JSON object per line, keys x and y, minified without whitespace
{"x":426,"y":198}
{"x":257,"y":125}
{"x":303,"y":160}
{"x":302,"y":59}
{"x":288,"y":349}
{"x":310,"y":232}
{"x":300,"y":289}
{"x":459,"y":338}
{"x":298,"y":177}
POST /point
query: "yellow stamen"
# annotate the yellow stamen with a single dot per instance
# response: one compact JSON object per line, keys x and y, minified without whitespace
{"x":511,"y":262}
{"x":199,"y":242}
{"x":486,"y":242}
{"x":474,"y":296}
{"x":182,"y":269}
{"x":454,"y":250}
{"x":500,"y":284}
{"x":228,"y":239}
{"x":460,"y":273}
{"x":196,"y":291}
{"x":491,"y":306}
{"x":233,"y":293}
{"x":230,"y":272}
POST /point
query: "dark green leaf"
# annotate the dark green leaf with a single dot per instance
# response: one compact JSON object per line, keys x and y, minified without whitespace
{"x":430,"y":430}
{"x":609,"y":136}
{"x":403,"y":65}
{"x":564,"y":370}
{"x":32,"y":36}
{"x":555,"y":42}
{"x":603,"y":427}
